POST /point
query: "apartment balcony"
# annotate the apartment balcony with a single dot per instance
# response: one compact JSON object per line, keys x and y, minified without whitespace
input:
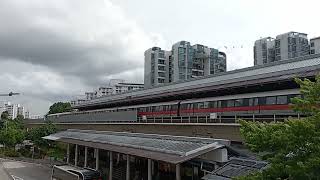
{"x":201,"y":55}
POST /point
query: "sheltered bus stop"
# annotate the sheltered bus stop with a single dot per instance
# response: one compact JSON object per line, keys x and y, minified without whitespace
{"x":136,"y":156}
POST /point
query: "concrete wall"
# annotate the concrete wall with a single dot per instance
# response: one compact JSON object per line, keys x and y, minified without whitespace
{"x":219,"y":131}
{"x":124,"y":116}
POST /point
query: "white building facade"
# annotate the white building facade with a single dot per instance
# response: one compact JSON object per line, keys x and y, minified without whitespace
{"x":115,"y":86}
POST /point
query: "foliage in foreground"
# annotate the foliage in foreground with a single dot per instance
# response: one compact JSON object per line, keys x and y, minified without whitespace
{"x":11,"y":131}
{"x":292,"y":147}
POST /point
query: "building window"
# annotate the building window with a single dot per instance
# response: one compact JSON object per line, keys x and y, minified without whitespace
{"x":181,"y":50}
{"x":160,"y":80}
{"x":312,"y":51}
{"x":161,"y":61}
{"x":161,"y":68}
{"x":312,"y":44}
{"x":161,"y":74}
{"x":161,"y":54}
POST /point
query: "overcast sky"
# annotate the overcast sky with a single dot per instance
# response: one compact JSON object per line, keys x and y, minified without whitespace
{"x":55,"y":50}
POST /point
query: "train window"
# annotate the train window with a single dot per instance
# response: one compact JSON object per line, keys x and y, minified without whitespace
{"x":293,"y":96}
{"x":238,"y":102}
{"x":200,"y":105}
{"x":213,"y":104}
{"x":152,"y":109}
{"x":195,"y":105}
{"x":159,"y":108}
{"x":262,"y":101}
{"x":246,"y":102}
{"x":224,"y":103}
{"x":206,"y":105}
{"x":271,"y":100}
{"x":282,"y":100}
{"x":184,"y":106}
{"x":190,"y":106}
{"x":230,"y":103}
{"x":174,"y":107}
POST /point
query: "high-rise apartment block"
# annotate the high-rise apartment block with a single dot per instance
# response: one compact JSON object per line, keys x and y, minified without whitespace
{"x":264,"y":51}
{"x":21,"y":111}
{"x":156,"y":66}
{"x":284,"y":46}
{"x":315,"y":45}
{"x":184,"y":61}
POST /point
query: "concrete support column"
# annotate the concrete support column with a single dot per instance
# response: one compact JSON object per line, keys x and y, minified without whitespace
{"x":76,"y":155}
{"x":97,"y":159}
{"x":128,"y":168}
{"x":85,"y":156}
{"x":111,"y":166}
{"x":149,"y":169}
{"x":68,"y":153}
{"x":178,"y":175}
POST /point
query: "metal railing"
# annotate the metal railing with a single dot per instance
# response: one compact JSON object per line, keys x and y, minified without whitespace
{"x":189,"y":119}
{"x":220,"y":119}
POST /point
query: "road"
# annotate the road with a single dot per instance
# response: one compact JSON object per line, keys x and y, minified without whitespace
{"x":23,"y":170}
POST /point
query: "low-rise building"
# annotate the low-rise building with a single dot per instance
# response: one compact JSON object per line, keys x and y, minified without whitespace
{"x":315,"y":45}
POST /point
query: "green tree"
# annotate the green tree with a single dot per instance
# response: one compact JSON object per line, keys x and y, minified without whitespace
{"x":19,"y":121}
{"x":59,"y":107}
{"x":292,"y":147}
{"x":4,"y":117}
{"x":36,"y":134}
{"x":11,"y":134}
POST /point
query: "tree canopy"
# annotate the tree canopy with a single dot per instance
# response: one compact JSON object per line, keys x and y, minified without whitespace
{"x":12,"y":133}
{"x":36,"y":134}
{"x":4,"y":115}
{"x":292,"y":147}
{"x":59,"y":107}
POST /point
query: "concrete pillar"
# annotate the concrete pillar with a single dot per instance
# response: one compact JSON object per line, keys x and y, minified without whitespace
{"x":111,"y":166}
{"x":76,"y":155}
{"x":178,"y":175}
{"x":85,"y":156}
{"x":97,"y":159}
{"x":128,"y":168}
{"x":68,"y":153}
{"x":149,"y":169}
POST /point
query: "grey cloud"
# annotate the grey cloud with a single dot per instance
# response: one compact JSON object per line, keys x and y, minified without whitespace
{"x":55,"y":50}
{"x":61,"y":40}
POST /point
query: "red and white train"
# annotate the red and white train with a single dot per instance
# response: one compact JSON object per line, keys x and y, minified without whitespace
{"x":261,"y":104}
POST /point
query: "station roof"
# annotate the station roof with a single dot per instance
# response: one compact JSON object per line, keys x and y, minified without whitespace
{"x":236,"y":167}
{"x":172,"y":149}
{"x":276,"y":72}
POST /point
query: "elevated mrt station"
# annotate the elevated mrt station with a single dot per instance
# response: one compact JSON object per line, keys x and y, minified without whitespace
{"x":254,"y":93}
{"x":135,"y":156}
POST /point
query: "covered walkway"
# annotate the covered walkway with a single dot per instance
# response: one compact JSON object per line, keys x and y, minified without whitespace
{"x":136,"y":156}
